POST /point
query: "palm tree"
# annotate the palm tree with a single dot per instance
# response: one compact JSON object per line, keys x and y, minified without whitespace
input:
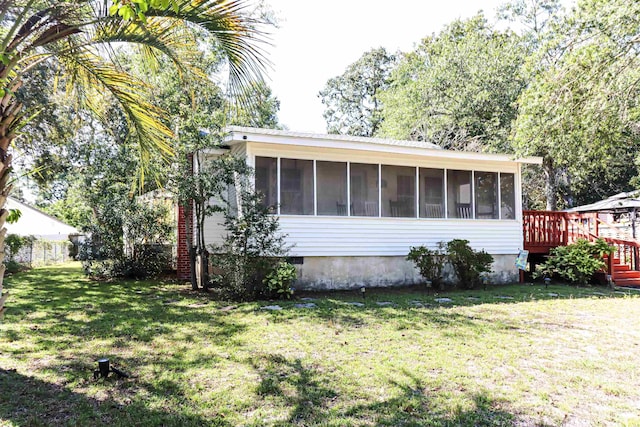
{"x":80,"y":37}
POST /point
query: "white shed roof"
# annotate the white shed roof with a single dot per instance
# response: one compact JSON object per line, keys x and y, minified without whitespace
{"x":238,"y":134}
{"x":34,"y":222}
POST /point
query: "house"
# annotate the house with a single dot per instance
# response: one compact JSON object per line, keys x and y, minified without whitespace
{"x":51,"y":235}
{"x":34,"y":222}
{"x":619,"y":212}
{"x":352,"y":207}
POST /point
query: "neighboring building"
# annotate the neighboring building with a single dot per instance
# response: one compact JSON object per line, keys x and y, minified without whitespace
{"x":352,"y":207}
{"x":34,"y":222}
{"x":619,"y":214}
{"x":52,"y":235}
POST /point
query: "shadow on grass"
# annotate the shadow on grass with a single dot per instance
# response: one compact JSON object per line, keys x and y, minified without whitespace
{"x":32,"y":402}
{"x":298,"y":387}
{"x":53,"y":309}
{"x":305,"y":393}
{"x":62,"y":303}
{"x":417,"y":405}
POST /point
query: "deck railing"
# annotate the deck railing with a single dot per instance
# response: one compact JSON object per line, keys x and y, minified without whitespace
{"x":544,"y":230}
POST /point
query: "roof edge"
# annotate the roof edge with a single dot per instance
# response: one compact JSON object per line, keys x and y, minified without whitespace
{"x":326,"y":136}
{"x":233,"y":139}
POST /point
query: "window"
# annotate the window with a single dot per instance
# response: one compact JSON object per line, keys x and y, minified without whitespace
{"x":364,"y":189}
{"x":459,"y":194}
{"x":398,"y":191}
{"x":431,"y":193}
{"x":267,"y":180}
{"x":332,"y":188}
{"x":296,"y":187}
{"x":486,"y":192}
{"x":507,"y":196}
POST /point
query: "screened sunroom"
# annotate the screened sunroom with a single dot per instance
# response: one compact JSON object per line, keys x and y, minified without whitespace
{"x":352,"y":207}
{"x":329,"y":188}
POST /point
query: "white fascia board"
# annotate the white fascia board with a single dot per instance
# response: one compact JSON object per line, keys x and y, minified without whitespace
{"x":326,"y":141}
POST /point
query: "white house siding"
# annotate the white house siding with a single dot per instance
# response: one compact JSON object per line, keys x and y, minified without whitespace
{"x":214,"y":231}
{"x":346,"y":253}
{"x":343,"y":236}
{"x":34,"y":222}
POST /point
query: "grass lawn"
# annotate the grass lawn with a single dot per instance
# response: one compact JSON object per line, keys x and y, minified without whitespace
{"x":513,"y":355}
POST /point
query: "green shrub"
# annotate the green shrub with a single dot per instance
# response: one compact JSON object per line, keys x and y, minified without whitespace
{"x":142,"y":230}
{"x":467,"y":263}
{"x":252,"y":248}
{"x":146,"y":261}
{"x":576,"y":262}
{"x":429,"y":262}
{"x":278,"y":282}
{"x":12,"y":267}
{"x":13,"y":244}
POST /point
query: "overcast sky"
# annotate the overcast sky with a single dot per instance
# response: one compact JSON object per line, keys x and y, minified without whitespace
{"x":318,"y":39}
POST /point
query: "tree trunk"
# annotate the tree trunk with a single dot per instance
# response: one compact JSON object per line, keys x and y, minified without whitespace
{"x":551,"y":183}
{"x":192,"y":268}
{"x":10,"y":117}
{"x":205,"y":270}
{"x":188,"y":230}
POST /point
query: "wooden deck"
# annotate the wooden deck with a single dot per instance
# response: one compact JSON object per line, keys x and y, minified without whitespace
{"x":545,"y":230}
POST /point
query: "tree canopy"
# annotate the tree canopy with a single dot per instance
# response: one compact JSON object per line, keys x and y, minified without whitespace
{"x":563,"y":87}
{"x":457,"y":88}
{"x":580,"y":110}
{"x":352,"y":100}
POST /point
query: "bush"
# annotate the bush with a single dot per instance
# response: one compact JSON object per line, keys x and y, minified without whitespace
{"x":576,"y":262}
{"x":12,"y":267}
{"x":13,"y":244}
{"x":278,"y":282}
{"x":429,"y":262}
{"x":129,"y":244}
{"x":147,"y":261}
{"x":467,"y":263}
{"x":251,"y":250}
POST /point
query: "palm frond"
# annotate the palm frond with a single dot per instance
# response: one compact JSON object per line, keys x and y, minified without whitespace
{"x":88,"y":70}
{"x":165,"y":37}
{"x":238,"y":34}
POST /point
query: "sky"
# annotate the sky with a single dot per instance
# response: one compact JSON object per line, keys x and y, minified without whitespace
{"x":317,"y":40}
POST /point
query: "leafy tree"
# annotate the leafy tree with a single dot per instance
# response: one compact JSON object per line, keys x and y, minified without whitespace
{"x":353,"y":104}
{"x":197,"y":181}
{"x":534,"y":16}
{"x":458,"y":88}
{"x":264,"y":111}
{"x":580,"y":112}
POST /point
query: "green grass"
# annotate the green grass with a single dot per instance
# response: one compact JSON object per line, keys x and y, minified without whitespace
{"x":530,"y":359}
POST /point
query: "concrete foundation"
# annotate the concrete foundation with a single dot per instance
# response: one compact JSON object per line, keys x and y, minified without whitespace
{"x":341,"y":273}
